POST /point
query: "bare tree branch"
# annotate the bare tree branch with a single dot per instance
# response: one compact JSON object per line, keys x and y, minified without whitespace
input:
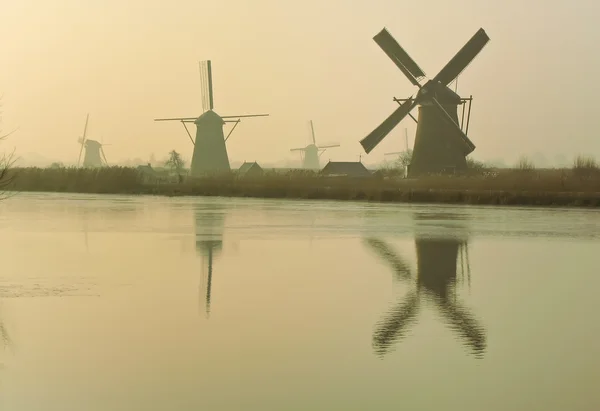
{"x":6,"y":162}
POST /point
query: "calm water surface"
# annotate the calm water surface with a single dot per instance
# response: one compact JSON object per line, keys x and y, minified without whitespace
{"x":142,"y":303}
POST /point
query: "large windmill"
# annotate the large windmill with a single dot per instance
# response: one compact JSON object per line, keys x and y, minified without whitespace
{"x":209,"y":226}
{"x":94,"y":151}
{"x":440,"y":143}
{"x":435,"y":281}
{"x":210,"y":151}
{"x":312,"y":152}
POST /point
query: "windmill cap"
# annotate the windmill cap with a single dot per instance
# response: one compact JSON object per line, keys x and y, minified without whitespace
{"x":209,"y":116}
{"x":442,"y":93}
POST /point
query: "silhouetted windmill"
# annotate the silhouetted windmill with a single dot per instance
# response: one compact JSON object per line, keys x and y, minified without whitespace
{"x":440,"y":143}
{"x":436,"y":278}
{"x":312,"y":152}
{"x":209,"y":227}
{"x":210,"y":152}
{"x":94,"y":151}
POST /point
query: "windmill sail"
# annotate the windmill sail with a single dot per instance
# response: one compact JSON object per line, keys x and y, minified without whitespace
{"x":206,"y":85}
{"x":83,"y":139}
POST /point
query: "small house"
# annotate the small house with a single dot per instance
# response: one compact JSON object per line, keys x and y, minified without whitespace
{"x":250,"y":169}
{"x":148,"y":174}
{"x":345,"y":169}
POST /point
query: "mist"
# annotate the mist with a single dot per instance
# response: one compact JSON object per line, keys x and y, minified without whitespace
{"x":128,"y":63}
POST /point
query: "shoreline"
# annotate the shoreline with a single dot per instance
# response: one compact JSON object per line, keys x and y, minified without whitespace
{"x":411,"y":196}
{"x":545,"y":188}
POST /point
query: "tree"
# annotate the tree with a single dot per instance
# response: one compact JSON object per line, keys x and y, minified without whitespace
{"x":175,"y":162}
{"x":404,"y":159}
{"x":6,"y":161}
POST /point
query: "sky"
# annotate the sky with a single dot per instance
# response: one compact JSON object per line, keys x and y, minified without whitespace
{"x":126,"y":63}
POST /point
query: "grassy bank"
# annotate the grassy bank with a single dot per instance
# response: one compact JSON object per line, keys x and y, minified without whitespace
{"x":552,"y":187}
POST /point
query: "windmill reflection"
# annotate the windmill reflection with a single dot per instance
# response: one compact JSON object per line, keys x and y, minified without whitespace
{"x":436,"y":280}
{"x":209,"y":227}
{"x":5,"y":341}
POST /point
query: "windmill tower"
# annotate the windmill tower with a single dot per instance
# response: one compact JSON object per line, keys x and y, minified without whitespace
{"x":312,"y":152}
{"x":210,"y":151}
{"x":441,"y":145}
{"x":94,"y":151}
{"x":209,"y":227}
{"x":436,"y":280}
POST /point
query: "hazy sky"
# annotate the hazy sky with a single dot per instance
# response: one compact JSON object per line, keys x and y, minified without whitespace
{"x":128,"y":62}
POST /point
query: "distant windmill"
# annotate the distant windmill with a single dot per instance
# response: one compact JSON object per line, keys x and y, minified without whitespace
{"x":210,"y":151}
{"x":94,"y":152}
{"x":436,"y":277}
{"x":405,"y":146}
{"x":312,"y":152}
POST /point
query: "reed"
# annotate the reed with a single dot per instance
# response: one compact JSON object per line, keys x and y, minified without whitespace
{"x":520,"y":186}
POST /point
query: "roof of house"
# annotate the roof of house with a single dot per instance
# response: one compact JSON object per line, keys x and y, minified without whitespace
{"x":244,"y":168}
{"x":147,"y":168}
{"x":348,"y":168}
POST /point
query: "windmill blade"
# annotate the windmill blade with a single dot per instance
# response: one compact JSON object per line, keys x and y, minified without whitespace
{"x":399,"y":56}
{"x":464,"y":323}
{"x":375,"y":137}
{"x":206,"y":85}
{"x":202,"y":70}
{"x":329,"y":146}
{"x":246,"y":115}
{"x":210,"y":84}
{"x":312,"y":132}
{"x":298,"y":149}
{"x":400,"y":267}
{"x":83,"y":138}
{"x":395,"y":324}
{"x":177,"y":119}
{"x":86,"y":126}
{"x":467,"y":144}
{"x":103,"y":155}
{"x":463,"y":58}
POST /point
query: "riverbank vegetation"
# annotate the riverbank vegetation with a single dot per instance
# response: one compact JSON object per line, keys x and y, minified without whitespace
{"x":523,"y":185}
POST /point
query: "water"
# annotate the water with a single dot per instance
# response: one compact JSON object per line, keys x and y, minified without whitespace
{"x":142,"y":303}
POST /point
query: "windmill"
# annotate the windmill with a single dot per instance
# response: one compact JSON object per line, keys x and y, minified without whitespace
{"x":312,"y":152}
{"x":210,"y":151}
{"x":94,"y":151}
{"x":396,"y":153}
{"x":436,"y":280}
{"x":440,"y":143}
{"x":209,"y":227}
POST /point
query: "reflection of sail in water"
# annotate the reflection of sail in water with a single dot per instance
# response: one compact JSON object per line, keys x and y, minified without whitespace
{"x":436,"y":280}
{"x":210,"y":223}
{"x":4,"y":338}
{"x":85,"y":230}
{"x":5,"y":341}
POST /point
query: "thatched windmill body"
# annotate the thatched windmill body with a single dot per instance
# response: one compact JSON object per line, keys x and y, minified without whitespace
{"x":210,"y":151}
{"x":435,"y":281}
{"x":94,"y":152}
{"x":311,"y":153}
{"x":440,"y":145}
